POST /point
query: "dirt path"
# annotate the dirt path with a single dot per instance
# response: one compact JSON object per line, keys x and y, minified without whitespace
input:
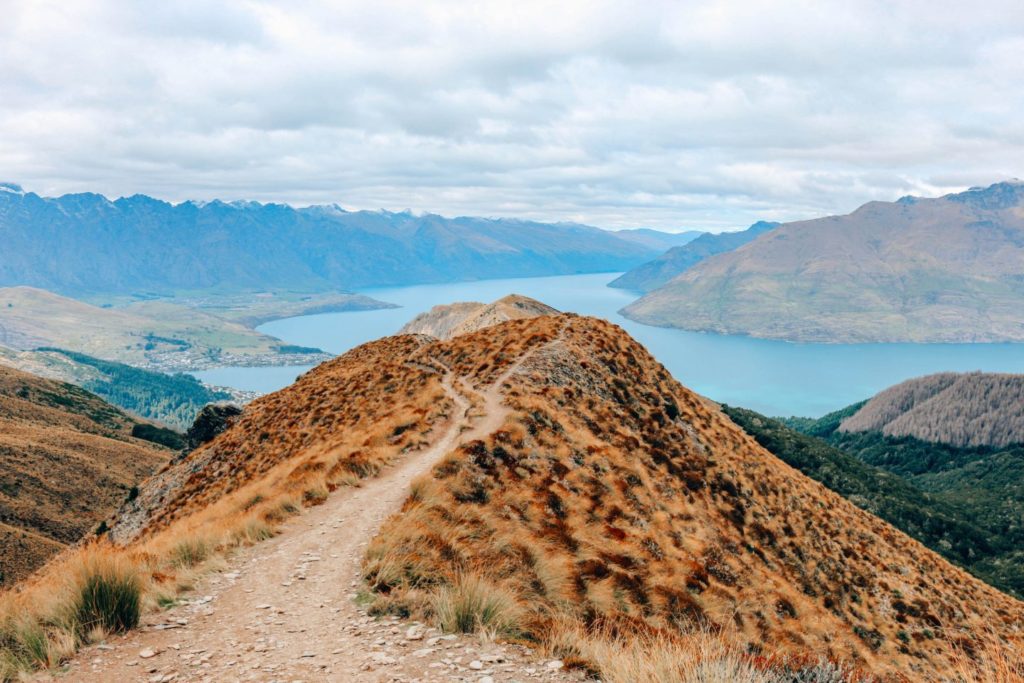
{"x":284,"y":609}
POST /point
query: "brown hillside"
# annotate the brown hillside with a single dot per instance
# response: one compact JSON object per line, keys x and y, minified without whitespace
{"x":925,"y":270}
{"x":67,"y":460}
{"x":961,"y":409}
{"x":451,"y":320}
{"x":606,"y":490}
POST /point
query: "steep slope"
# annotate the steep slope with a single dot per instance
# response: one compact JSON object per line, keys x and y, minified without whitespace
{"x":922,"y":270}
{"x":972,"y":409}
{"x":984,"y":485}
{"x":592,"y":485}
{"x":677,"y":260}
{"x":86,"y":243}
{"x":451,"y":320}
{"x":922,"y":507}
{"x":67,"y":460}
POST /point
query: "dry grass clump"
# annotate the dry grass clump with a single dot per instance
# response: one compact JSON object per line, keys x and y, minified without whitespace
{"x":472,"y":604}
{"x":106,"y":594}
{"x":253,"y":530}
{"x":618,"y":655}
{"x":97,"y":591}
{"x":995,"y":664}
{"x":189,"y":552}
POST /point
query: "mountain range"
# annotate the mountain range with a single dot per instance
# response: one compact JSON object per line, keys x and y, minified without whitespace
{"x":946,"y":269}
{"x":677,"y":260}
{"x":85,"y":243}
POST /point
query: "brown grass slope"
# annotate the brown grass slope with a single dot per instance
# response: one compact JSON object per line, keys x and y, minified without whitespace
{"x":612,"y":490}
{"x":609,"y":492}
{"x":67,"y":460}
{"x":451,"y":320}
{"x":960,"y":409}
{"x":924,"y":270}
{"x":341,"y":421}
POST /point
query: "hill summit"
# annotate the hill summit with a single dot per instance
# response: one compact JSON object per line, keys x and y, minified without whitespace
{"x":451,"y":320}
{"x":959,"y":409}
{"x":566,"y":469}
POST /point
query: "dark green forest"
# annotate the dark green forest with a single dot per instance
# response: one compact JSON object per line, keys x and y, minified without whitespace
{"x":174,"y":400}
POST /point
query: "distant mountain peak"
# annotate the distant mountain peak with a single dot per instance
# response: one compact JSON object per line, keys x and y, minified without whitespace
{"x":245,"y":204}
{"x":12,"y":188}
{"x":1001,"y":195}
{"x":327,"y":209}
{"x":677,"y":260}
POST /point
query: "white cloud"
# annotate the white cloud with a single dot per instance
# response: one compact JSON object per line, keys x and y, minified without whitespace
{"x":671,"y":114}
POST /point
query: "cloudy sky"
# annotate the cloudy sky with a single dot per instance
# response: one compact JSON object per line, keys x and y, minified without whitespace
{"x":667,"y":114}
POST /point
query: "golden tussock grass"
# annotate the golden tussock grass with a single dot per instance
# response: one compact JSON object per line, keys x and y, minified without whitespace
{"x":623,"y":655}
{"x":472,"y":604}
{"x":995,"y":664}
{"x":612,"y":492}
{"x":88,"y":594}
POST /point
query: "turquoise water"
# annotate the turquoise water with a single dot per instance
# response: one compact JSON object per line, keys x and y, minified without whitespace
{"x":772,"y":377}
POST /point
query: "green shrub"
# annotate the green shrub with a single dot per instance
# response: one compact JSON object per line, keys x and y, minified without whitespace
{"x":159,"y":435}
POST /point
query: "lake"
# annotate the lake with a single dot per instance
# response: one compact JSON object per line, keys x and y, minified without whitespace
{"x":772,"y":377}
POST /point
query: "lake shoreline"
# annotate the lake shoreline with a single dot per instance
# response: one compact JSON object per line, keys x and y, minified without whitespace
{"x":773,"y":377}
